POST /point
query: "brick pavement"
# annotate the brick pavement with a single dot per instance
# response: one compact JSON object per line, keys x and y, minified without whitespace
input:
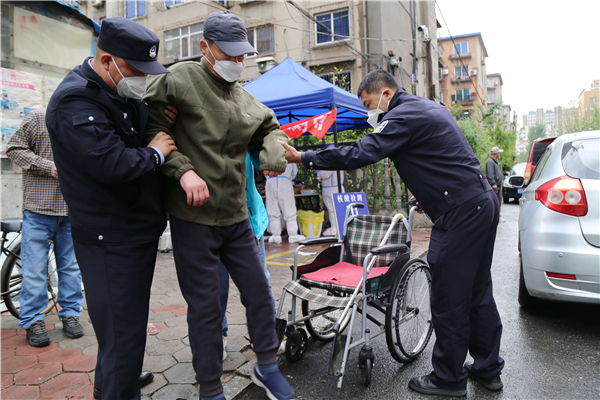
{"x":64,"y":369}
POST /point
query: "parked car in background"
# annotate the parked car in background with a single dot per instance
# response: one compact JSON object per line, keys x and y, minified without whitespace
{"x":559,"y":223}
{"x":513,"y":192}
{"x":538,"y":147}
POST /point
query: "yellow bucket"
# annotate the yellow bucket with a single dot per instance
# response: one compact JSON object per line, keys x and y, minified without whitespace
{"x":311,"y":222}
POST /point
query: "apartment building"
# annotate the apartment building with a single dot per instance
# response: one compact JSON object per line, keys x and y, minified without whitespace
{"x":588,"y":98}
{"x":553,"y":120}
{"x":364,"y":35}
{"x":463,"y":77}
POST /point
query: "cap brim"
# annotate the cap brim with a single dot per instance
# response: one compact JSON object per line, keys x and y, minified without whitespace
{"x":235,"y":49}
{"x":147,"y":67}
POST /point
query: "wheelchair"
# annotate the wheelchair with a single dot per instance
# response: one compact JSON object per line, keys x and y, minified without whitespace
{"x":374,"y":250}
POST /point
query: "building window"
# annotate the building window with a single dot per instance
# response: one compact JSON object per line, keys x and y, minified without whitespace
{"x":184,"y":42}
{"x":593,"y":100}
{"x":340,"y":79}
{"x":491,"y":82}
{"x":490,"y":97}
{"x":461,"y":71}
{"x":169,"y":3}
{"x":337,"y":23}
{"x":463,"y":94}
{"x":135,"y":8}
{"x":461,"y":48}
{"x":262,"y":38}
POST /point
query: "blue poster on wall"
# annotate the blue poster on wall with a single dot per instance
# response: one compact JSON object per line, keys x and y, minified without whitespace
{"x":341,"y":202}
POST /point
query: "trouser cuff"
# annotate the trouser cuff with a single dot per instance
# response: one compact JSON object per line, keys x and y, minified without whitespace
{"x":268,"y":357}
{"x":211,"y":388}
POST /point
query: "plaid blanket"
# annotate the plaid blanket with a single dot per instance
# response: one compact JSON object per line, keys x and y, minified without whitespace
{"x":365,"y":232}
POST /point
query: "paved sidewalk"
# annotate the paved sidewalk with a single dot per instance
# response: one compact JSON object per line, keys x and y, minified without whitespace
{"x":64,"y":369}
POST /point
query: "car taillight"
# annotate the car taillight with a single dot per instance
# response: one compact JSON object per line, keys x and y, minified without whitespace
{"x":564,"y":195}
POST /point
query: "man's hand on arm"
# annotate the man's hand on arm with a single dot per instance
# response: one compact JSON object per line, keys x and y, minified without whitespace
{"x":271,"y":174}
{"x":53,"y":171}
{"x":495,"y":187}
{"x":164,"y":143}
{"x":195,"y":188}
{"x":172,"y":113}
{"x":292,"y":155}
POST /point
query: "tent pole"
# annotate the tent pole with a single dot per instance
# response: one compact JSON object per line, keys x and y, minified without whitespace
{"x":335,"y":140}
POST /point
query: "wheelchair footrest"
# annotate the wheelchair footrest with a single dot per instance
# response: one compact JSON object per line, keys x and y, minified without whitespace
{"x":320,"y":298}
{"x":337,"y":354}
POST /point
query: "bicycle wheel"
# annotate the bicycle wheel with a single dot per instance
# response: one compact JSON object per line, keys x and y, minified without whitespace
{"x":12,"y":279}
{"x":408,"y":325}
{"x":321,"y":327}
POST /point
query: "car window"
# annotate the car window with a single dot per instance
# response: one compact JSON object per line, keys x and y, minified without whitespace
{"x":581,"y":158}
{"x":538,"y":150}
{"x":540,"y":166}
{"x":518,"y":169}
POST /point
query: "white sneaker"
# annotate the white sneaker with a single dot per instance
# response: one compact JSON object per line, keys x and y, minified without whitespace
{"x":275,"y":239}
{"x":224,"y":346}
{"x":295,"y":238}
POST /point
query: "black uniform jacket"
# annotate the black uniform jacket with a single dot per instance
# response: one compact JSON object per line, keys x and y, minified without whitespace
{"x":105,"y":172}
{"x":430,"y":152}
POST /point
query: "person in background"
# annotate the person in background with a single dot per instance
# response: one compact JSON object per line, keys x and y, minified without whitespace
{"x":257,"y":214}
{"x":329,"y":183}
{"x":96,"y":119}
{"x":281,"y":201}
{"x":494,"y":174}
{"x":45,"y":217}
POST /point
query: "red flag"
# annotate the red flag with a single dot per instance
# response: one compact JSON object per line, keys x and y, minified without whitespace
{"x":317,"y":126}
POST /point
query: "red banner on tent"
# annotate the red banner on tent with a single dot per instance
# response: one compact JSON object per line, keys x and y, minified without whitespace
{"x":317,"y":126}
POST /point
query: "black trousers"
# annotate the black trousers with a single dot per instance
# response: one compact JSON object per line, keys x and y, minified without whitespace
{"x":198,"y":249}
{"x":117,"y":281}
{"x":465,"y":317}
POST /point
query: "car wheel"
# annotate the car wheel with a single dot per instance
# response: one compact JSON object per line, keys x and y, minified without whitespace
{"x":506,"y":200}
{"x":526,"y":301}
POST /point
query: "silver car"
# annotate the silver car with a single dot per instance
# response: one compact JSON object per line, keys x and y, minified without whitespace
{"x":559,"y":223}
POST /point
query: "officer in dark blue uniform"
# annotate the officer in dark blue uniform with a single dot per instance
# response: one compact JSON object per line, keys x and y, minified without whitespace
{"x":436,"y":163}
{"x":96,"y":119}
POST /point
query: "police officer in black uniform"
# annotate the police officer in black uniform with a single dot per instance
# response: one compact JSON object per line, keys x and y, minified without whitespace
{"x":439,"y":167}
{"x":96,"y":119}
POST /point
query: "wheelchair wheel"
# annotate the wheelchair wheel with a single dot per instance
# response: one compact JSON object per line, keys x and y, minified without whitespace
{"x":366,"y":369}
{"x":296,"y":344}
{"x":12,"y":278}
{"x":408,"y":325}
{"x":321,"y":327}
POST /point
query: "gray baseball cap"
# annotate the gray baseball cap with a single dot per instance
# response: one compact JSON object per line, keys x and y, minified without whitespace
{"x":496,"y":150}
{"x":228,"y":31}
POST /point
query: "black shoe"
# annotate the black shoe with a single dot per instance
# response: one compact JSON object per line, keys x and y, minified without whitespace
{"x":72,"y":327}
{"x":494,"y":384}
{"x":37,"y":335}
{"x":422,"y":384}
{"x":146,"y":377}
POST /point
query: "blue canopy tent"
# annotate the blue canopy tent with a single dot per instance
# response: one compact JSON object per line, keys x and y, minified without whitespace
{"x":295,"y":93}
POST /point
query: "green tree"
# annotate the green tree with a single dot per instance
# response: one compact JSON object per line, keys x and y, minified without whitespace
{"x":576,"y":119}
{"x":537,"y":131}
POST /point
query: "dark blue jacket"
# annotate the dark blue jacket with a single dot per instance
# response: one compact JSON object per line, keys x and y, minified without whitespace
{"x":105,"y":172}
{"x":430,"y":152}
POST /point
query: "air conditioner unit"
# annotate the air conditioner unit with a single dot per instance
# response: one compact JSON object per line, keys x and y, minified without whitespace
{"x":265,"y":63}
{"x":445,"y":72}
{"x":473,"y":72}
{"x":454,"y":102}
{"x":97,"y":3}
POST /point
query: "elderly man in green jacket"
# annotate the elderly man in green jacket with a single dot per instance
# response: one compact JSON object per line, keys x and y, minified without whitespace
{"x":206,"y":201}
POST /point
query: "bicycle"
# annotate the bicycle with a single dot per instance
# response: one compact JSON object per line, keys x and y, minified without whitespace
{"x":11,"y":275}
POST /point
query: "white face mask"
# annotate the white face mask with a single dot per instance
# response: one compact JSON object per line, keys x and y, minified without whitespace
{"x":373,"y":114}
{"x":228,"y":70}
{"x":133,"y":87}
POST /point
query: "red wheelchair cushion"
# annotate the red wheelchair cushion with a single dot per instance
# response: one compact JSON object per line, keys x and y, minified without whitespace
{"x":343,"y":273}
